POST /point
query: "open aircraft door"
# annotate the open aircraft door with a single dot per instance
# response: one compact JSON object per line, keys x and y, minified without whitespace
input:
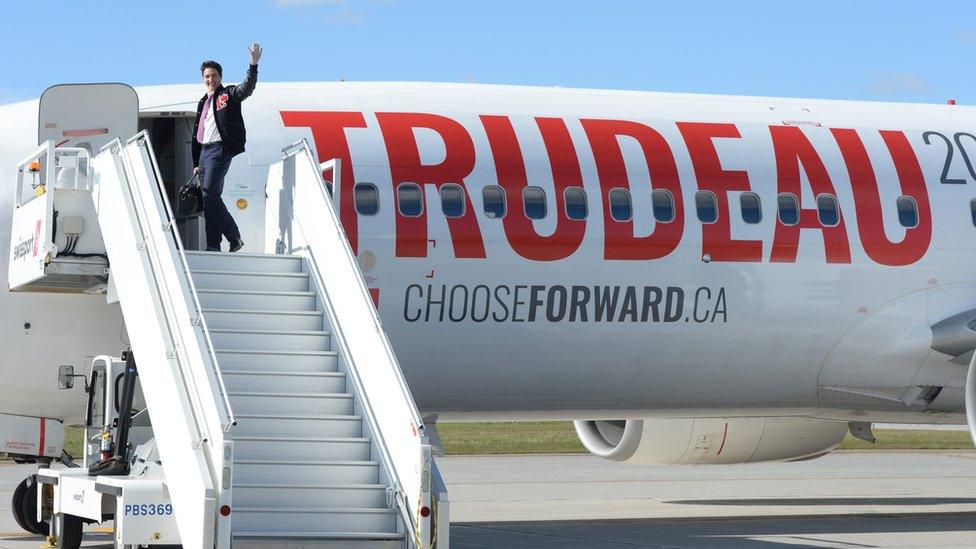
{"x":87,"y":116}
{"x":56,"y":244}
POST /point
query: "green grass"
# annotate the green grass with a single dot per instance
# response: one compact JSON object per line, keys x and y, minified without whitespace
{"x":897,"y":439}
{"x":559,"y":437}
{"x":74,"y":440}
{"x":534,"y":437}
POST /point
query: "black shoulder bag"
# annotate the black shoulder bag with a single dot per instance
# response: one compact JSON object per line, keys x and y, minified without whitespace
{"x":189,"y":201}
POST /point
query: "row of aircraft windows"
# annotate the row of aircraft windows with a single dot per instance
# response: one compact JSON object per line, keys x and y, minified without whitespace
{"x":410,"y":203}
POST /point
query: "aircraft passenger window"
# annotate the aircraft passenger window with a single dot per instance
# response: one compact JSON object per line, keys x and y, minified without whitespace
{"x":663,"y":205}
{"x":409,"y":200}
{"x":907,"y":212}
{"x":789,"y":209}
{"x":575,"y":203}
{"x":751,"y":208}
{"x":534,"y":200}
{"x":707,"y":206}
{"x":620,"y":208}
{"x":452,"y":200}
{"x":494,"y":198}
{"x":972,"y":210}
{"x":827,"y":210}
{"x":367,"y":198}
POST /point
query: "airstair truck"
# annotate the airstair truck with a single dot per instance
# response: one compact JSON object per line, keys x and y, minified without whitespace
{"x":257,"y":401}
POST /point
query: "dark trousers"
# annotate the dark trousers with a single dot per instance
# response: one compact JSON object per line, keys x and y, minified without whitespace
{"x":214,"y":165}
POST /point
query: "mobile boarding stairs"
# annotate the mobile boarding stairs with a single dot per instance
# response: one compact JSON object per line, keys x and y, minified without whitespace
{"x":278,"y":415}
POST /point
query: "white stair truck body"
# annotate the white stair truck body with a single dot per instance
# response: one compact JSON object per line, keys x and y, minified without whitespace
{"x":279,"y":412}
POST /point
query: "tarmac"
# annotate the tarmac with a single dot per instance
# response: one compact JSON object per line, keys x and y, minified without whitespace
{"x":846,"y":499}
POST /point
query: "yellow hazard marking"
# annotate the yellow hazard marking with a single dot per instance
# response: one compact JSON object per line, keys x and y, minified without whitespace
{"x":103,"y":530}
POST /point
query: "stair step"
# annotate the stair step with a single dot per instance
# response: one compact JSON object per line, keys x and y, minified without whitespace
{"x":261,"y":403}
{"x":315,"y":540}
{"x":272,"y":521}
{"x":372,"y":496}
{"x":257,"y":300}
{"x":254,"y":471}
{"x":208,"y":279}
{"x":255,"y":360}
{"x":298,"y":425}
{"x":291,"y":448}
{"x":284,"y":382}
{"x":264,"y":320}
{"x":241,"y":262}
{"x":271,"y":340}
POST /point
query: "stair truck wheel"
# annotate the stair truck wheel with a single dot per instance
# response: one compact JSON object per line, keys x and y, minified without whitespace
{"x":28,"y":509}
{"x":71,"y":532}
{"x":17,"y":503}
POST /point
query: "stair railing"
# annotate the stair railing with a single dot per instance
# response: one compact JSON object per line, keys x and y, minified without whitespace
{"x":156,"y":329}
{"x":301,"y":210}
{"x":157,"y":194}
{"x":202,"y":366}
{"x":182,"y":318}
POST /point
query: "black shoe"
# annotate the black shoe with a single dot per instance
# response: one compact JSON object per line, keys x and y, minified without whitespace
{"x":237,"y":245}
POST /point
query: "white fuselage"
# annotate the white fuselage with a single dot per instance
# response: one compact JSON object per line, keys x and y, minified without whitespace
{"x":507,"y":317}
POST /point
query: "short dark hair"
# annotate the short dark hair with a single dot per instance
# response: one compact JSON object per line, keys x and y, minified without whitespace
{"x":210,"y":64}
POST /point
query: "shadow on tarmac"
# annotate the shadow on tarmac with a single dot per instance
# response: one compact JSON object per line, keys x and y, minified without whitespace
{"x":785,"y":532}
{"x":826,"y":501}
{"x":92,"y":540}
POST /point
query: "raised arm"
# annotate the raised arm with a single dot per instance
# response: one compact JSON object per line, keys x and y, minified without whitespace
{"x":244,"y":90}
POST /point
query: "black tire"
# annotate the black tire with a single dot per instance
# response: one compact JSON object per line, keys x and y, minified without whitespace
{"x":28,"y":509}
{"x":71,"y":532}
{"x":17,"y":503}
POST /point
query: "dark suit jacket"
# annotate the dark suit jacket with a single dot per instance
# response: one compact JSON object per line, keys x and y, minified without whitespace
{"x":226,"y":105}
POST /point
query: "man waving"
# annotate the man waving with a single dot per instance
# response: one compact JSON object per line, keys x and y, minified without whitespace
{"x":218,"y":137}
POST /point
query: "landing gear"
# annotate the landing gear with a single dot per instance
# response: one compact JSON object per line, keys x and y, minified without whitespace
{"x":24,"y":507}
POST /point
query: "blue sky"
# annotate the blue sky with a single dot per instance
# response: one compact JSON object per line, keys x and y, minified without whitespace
{"x":872,"y":50}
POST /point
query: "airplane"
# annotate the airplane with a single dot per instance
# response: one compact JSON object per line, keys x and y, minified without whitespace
{"x":689,"y":278}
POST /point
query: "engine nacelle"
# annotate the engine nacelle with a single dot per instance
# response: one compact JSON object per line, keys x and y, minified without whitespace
{"x":709,"y":440}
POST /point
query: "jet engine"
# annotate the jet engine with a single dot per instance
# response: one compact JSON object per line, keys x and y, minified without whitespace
{"x":709,"y":440}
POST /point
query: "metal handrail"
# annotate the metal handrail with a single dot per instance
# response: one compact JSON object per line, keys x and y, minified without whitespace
{"x":131,"y":194}
{"x":229,"y":420}
{"x":386,"y":456}
{"x":47,"y":151}
{"x":339,"y":338}
{"x":401,"y":381}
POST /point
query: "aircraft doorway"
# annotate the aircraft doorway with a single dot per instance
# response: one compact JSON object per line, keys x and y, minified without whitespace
{"x":171,"y":137}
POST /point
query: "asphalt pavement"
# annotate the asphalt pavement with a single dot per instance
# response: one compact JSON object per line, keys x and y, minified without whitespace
{"x":846,"y":499}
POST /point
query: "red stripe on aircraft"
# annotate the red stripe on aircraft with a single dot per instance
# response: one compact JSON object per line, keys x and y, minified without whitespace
{"x":84,"y":133}
{"x":43,"y":436}
{"x":725,"y":436}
